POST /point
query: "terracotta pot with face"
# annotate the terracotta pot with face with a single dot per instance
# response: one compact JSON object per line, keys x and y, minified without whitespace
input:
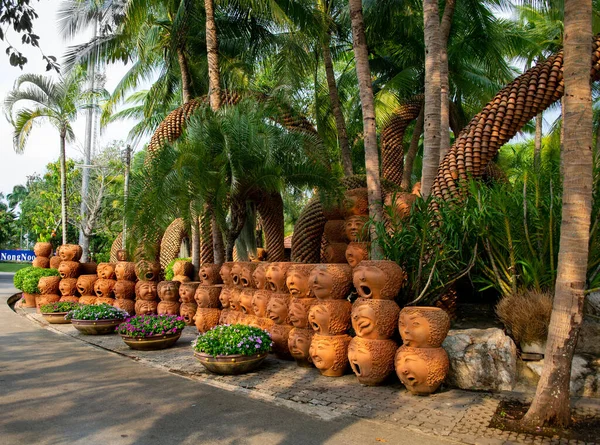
{"x":229,"y":316}
{"x":68,"y":286}
{"x":168,"y":308}
{"x":46,"y":299}
{"x":85,"y":285}
{"x":380,"y":280}
{"x":246,"y":297}
{"x":247,"y":274}
{"x":330,"y":317}
{"x":236,"y":273}
{"x":421,"y":370}
{"x":187,"y":291}
{"x":356,"y":202}
{"x":329,"y":353}
{"x":124,"y":290}
{"x":87,"y":299}
{"x":260,"y":275}
{"x":209,"y":274}
{"x":69,"y":298}
{"x":276,"y":275}
{"x":225,"y":297}
{"x":335,"y":253}
{"x":280,"y":334}
{"x":374,"y":319}
{"x":335,"y":231}
{"x":299,"y":346}
{"x":121,"y":255}
{"x":278,"y":308}
{"x":206,"y":319}
{"x":70,"y":252}
{"x":125,"y":270}
{"x":372,"y":360}
{"x":54,"y":262}
{"x":298,"y":311}
{"x":49,"y":285}
{"x":105,"y":300}
{"x":260,"y":302}
{"x":181,"y":278}
{"x":423,"y":327}
{"x":260,"y":322}
{"x":147,"y":270}
{"x":188,"y":311}
{"x":68,"y":269}
{"x":357,"y":252}
{"x":168,"y":291}
{"x":331,"y":281}
{"x":106,"y":271}
{"x":298,"y":280}
{"x":401,"y":203}
{"x":41,"y":261}
{"x":355,"y":228}
{"x":235,"y":299}
{"x":125,"y":305}
{"x":104,"y":288}
{"x":42,"y":249}
{"x":145,"y":307}
{"x":146,"y":290}
{"x":208,"y":296}
{"x":183,"y":268}
{"x":225,"y":274}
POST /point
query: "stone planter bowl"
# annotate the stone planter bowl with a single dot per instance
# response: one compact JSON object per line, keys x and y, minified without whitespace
{"x":230,"y":364}
{"x":152,"y":343}
{"x":55,"y":317}
{"x":96,"y":327}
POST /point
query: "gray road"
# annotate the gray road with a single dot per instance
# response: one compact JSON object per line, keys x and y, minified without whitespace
{"x":56,"y":390}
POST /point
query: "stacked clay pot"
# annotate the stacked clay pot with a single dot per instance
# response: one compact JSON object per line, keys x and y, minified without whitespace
{"x":300,"y":337}
{"x":43,"y":252}
{"x":357,"y":215}
{"x":356,"y":252}
{"x":421,"y":362}
{"x":49,"y":288}
{"x":229,"y":314}
{"x":260,"y":298}
{"x":188,"y":307}
{"x":146,"y":289}
{"x":278,"y":308}
{"x":183,"y":271}
{"x":208,"y":311}
{"x":104,"y":285}
{"x":329,"y":317}
{"x":335,"y":242}
{"x":124,"y":289}
{"x":68,"y":290}
{"x":374,"y":320}
{"x":85,"y":287}
{"x":168,"y":292}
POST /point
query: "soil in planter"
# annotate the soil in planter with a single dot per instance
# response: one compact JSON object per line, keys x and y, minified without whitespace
{"x":510,"y":412}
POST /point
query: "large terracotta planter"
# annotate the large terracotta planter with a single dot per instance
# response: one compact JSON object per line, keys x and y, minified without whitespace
{"x":423,"y":327}
{"x":230,"y":364}
{"x":56,"y":317}
{"x":29,"y":299}
{"x":96,"y":327}
{"x":152,"y":343}
{"x":42,"y":249}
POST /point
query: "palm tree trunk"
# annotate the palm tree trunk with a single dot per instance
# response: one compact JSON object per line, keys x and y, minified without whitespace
{"x":431,"y":140}
{"x":444,"y":81}
{"x":363,"y":71}
{"x":206,"y":238}
{"x":186,"y":79}
{"x":212,"y":49}
{"x":537,"y":149}
{"x":63,"y":185}
{"x":551,"y":404}
{"x":218,"y":246}
{"x":270,"y":209}
{"x":412,"y":151}
{"x":336,"y":108}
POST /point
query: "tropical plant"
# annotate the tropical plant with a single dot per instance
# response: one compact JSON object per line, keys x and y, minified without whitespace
{"x":233,"y":340}
{"x":151,"y":325}
{"x":96,"y":312}
{"x":32,"y":277}
{"x":58,"y":307}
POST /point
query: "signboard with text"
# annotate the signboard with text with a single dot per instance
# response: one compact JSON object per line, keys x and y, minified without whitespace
{"x":17,"y":255}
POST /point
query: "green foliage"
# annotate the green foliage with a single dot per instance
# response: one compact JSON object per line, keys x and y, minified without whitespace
{"x":20,"y":276}
{"x":233,"y":339}
{"x":59,"y":306}
{"x":149,"y":325}
{"x":32,"y":277}
{"x":169,"y":269}
{"x":96,"y":312}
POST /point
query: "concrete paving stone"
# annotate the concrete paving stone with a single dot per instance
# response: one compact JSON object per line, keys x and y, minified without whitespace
{"x":488,"y":441}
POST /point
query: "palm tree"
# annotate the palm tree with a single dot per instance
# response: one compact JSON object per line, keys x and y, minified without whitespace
{"x":18,"y":194}
{"x":46,"y":100}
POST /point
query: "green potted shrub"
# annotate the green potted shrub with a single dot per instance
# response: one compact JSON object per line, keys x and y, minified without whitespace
{"x":96,"y":319}
{"x":27,"y":280}
{"x":55,"y":313}
{"x":232,"y":349}
{"x":151,"y":332}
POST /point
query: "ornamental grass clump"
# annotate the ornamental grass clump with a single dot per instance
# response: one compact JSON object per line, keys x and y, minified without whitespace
{"x":58,"y":307}
{"x":526,"y":315}
{"x":97,"y":312}
{"x":233,"y":340}
{"x":151,"y":325}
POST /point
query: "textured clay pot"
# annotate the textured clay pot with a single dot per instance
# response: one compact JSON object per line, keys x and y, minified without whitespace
{"x":280,"y":334}
{"x":152,"y":343}
{"x":70,"y":252}
{"x":355,"y":228}
{"x":225,"y":297}
{"x":45,"y":299}
{"x":49,"y":285}
{"x":208,"y":296}
{"x":297,"y":280}
{"x":235,"y":297}
{"x":168,"y":290}
{"x":68,"y":286}
{"x":85,"y":284}
{"x":278,"y":308}
{"x":144,"y":307}
{"x":103,"y":288}
{"x":69,"y":298}
{"x":356,"y":202}
{"x":187,"y":311}
{"x":246,"y":297}
{"x":56,"y":317}
{"x":87,"y":299}
{"x":298,"y":311}
{"x":88,"y":268}
{"x":299,"y":345}
{"x":181,"y":278}
{"x":260,"y":302}
{"x":147,"y":270}
{"x":187,"y":291}
{"x":230,"y":364}
{"x":276,"y":275}
{"x":125,"y":270}
{"x":96,"y":327}
{"x":331,"y":281}
{"x":41,"y":261}
{"x":247,"y":274}
{"x":421,"y":370}
{"x":260,"y":276}
{"x":236,"y":272}
{"x":126,"y":305}
{"x":372,"y":360}
{"x":357,"y":252}
{"x":54,"y":262}
{"x":42,"y":249}
{"x":330,"y":317}
{"x":146,"y":290}
{"x":225,"y":274}
{"x":105,"y":300}
{"x":329,"y":354}
{"x":380,"y":280}
{"x":206,"y":319}
{"x":334,"y":231}
{"x":124,"y":290}
{"x":68,"y":269}
{"x":184,"y":268}
{"x":423,"y":327}
{"x":121,"y":255}
{"x":335,"y":253}
{"x":374,"y":319}
{"x":209,"y":274}
{"x":106,"y":271}
{"x":29,"y":300}
{"x":168,"y":308}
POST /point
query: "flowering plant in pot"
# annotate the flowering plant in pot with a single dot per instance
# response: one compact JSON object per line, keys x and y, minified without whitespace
{"x":27,"y":280}
{"x":232,"y":349}
{"x":150,"y":332}
{"x":55,"y":313}
{"x":96,"y":319}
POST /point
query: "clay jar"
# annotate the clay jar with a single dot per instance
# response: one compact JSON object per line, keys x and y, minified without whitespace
{"x":380,"y":280}
{"x":45,"y":299}
{"x":371,"y":360}
{"x":208,"y":296}
{"x":278,"y":308}
{"x":144,"y":307}
{"x":423,"y":327}
{"x":335,"y":253}
{"x":69,"y":298}
{"x":329,"y":353}
{"x":124,"y":290}
{"x":421,"y":370}
{"x":260,"y":276}
{"x":276,"y":275}
{"x":41,"y":261}
{"x":246,"y":297}
{"x":121,"y":255}
{"x":146,"y":290}
{"x":168,"y":291}
{"x":168,"y":308}
{"x":147,"y":270}
{"x":85,"y":284}
{"x":297,"y":280}
{"x":247,"y":274}
{"x":68,"y":286}
{"x":68,"y":269}
{"x":357,"y":252}
{"x":42,"y":249}
{"x":106,"y":271}
{"x":355,"y":228}
{"x":299,"y":346}
{"x":187,"y":311}
{"x":126,"y":305}
{"x":209,"y":274}
{"x":70,"y":252}
{"x":260,"y":302}
{"x":330,"y":317}
{"x":187,"y":291}
{"x":280,"y":334}
{"x":125,"y":270}
{"x":88,"y":268}
{"x":331,"y":281}
{"x":334,"y":231}
{"x":54,"y":262}
{"x":298,"y":311}
{"x":183,"y":269}
{"x":374,"y":319}
{"x":225,"y":274}
{"x":49,"y":285}
{"x":206,"y":319}
{"x":103,"y":288}
{"x":105,"y":300}
{"x":236,"y":273}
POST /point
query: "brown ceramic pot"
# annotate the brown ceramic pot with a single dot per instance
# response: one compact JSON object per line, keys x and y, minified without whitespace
{"x":143,"y":307}
{"x":96,"y":327}
{"x":372,"y":360}
{"x":126,"y":305}
{"x":247,"y":274}
{"x":335,"y":253}
{"x":246,"y":297}
{"x":69,"y":298}
{"x":85,"y":284}
{"x":206,"y":319}
{"x":357,"y":252}
{"x":225,"y":297}
{"x":168,"y":308}
{"x":183,"y":268}
{"x":88,"y":268}
{"x":29,"y":300}
{"x":208,"y":296}
{"x":121,"y":255}
{"x":103,"y":288}
{"x":209,"y":274}
{"x":276,"y":275}
{"x":260,"y":302}
{"x":421,"y":370}
{"x":68,"y":269}
{"x":146,"y":290}
{"x":42,"y":249}
{"x":68,"y":286}
{"x":124,"y":290}
{"x":331,"y":281}
{"x":147,"y":270}
{"x":329,"y":354}
{"x":188,"y":311}
{"x":278,"y":308}
{"x":225,"y":274}
{"x":235,"y":297}
{"x":356,"y":229}
{"x":125,"y":270}
{"x":41,"y":261}
{"x":423,"y":327}
{"x":105,"y":300}
{"x":260,"y":276}
{"x":228,"y":316}
{"x":380,"y":280}
{"x":187,"y":291}
{"x":106,"y":271}
{"x":87,"y":299}
{"x":298,"y":311}
{"x":45,"y":299}
{"x":168,"y":290}
{"x":375,"y":319}
{"x":334,"y":231}
{"x":299,"y":346}
{"x":70,"y":252}
{"x":297,"y":280}
{"x":236,"y":272}
{"x":152,"y":343}
{"x":49,"y":285}
{"x":230,"y":364}
{"x":54,"y":262}
{"x":401,"y":203}
{"x":56,"y":317}
{"x":280,"y":334}
{"x":330,"y":317}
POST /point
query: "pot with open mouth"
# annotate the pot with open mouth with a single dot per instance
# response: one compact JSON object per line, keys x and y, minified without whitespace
{"x":372,"y":361}
{"x":380,"y":280}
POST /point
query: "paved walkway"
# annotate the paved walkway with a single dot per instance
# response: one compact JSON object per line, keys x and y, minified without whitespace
{"x":309,"y":408}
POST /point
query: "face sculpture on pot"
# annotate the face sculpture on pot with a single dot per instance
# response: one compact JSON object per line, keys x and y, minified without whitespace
{"x":85,"y":285}
{"x":125,"y":270}
{"x":276,"y":274}
{"x":124,"y":290}
{"x":330,"y":317}
{"x":280,"y":334}
{"x":235,"y":299}
{"x":183,"y":269}
{"x":357,"y":252}
{"x":69,"y":298}
{"x":68,"y":286}
{"x":260,"y":302}
{"x":225,"y":297}
{"x":70,"y":252}
{"x":421,"y":370}
{"x":246,"y":297}
{"x":380,"y":280}
{"x":146,"y":290}
{"x":225,"y":274}
{"x":49,"y":285}
{"x":87,"y":299}
{"x":147,"y":270}
{"x":372,"y":360}
{"x":208,"y":296}
{"x":206,"y":319}
{"x":168,"y":290}
{"x":188,"y":311}
{"x":209,"y":274}
{"x":144,"y":307}
{"x":298,"y":311}
{"x":356,"y":201}
{"x":121,"y":255}
{"x":299,"y":345}
{"x":42,"y":249}
{"x":260,"y":276}
{"x":126,"y":305}
{"x":329,"y":353}
{"x":104,"y":288}
{"x":331,"y":281}
{"x":423,"y":327}
{"x":278,"y":308}
{"x":68,"y":269}
{"x":374,"y":319}
{"x":297,"y":280}
{"x":247,"y":274}
{"x":106,"y":271}
{"x":335,"y":253}
{"x":355,"y":228}
{"x":187,"y":291}
{"x":168,"y":308}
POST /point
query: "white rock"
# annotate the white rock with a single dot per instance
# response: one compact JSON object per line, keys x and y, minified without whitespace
{"x":585,"y":375}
